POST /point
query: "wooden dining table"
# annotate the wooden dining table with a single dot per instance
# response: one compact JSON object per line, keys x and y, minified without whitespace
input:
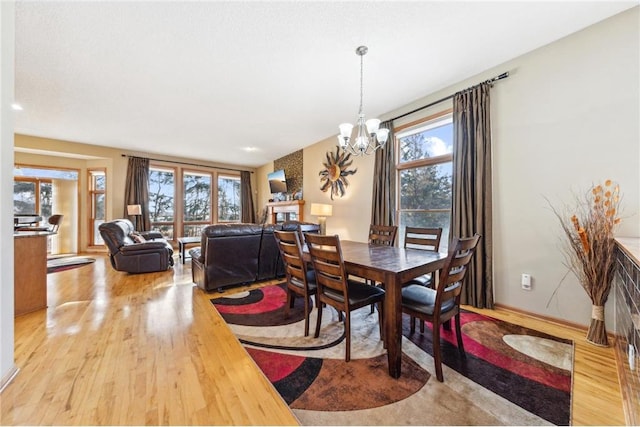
{"x":392,"y":266}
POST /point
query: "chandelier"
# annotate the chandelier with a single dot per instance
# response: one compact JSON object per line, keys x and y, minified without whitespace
{"x":367,"y":136}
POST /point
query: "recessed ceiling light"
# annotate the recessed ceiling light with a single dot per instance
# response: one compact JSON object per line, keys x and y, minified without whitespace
{"x":250,"y":149}
{"x":16,"y":106}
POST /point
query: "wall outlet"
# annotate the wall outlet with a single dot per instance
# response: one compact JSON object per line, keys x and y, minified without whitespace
{"x":526,"y":281}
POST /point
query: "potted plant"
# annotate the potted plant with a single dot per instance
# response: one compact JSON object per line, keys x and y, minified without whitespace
{"x":589,"y":248}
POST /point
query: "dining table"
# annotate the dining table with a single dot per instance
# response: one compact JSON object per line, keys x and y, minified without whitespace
{"x":391,"y":266}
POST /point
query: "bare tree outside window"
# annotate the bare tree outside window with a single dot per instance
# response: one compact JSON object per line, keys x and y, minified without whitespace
{"x":229,"y":199}
{"x":161,"y":201}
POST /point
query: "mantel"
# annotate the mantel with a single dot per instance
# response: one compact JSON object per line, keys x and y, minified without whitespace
{"x":286,"y":209}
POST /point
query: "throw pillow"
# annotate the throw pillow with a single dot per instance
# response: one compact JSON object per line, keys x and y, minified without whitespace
{"x":137,"y":237}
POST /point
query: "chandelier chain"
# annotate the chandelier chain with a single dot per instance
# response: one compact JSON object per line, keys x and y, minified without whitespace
{"x":361,"y":84}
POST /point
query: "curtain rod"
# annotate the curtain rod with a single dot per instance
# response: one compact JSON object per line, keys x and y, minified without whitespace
{"x":186,"y":163}
{"x":500,"y":77}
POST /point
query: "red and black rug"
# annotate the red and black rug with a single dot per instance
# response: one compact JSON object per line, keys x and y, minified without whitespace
{"x":511,"y":375}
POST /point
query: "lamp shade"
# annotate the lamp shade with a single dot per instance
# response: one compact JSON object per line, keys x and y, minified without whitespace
{"x":134,"y":210}
{"x":321,"y":209}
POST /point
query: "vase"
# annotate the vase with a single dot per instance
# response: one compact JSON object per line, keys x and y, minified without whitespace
{"x":597,"y":333}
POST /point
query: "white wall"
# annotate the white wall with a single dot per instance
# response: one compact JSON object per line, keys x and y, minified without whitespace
{"x":352,"y":213}
{"x":567,"y":117}
{"x":64,"y":201}
{"x":7,"y":366}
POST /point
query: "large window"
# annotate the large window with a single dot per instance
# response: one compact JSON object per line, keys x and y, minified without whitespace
{"x":229,"y":199}
{"x":425,"y":159}
{"x":183,"y":200}
{"x":97,"y":204}
{"x":197,"y":202}
{"x":162,"y":190}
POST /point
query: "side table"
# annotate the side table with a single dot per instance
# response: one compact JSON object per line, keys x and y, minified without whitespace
{"x":182,"y":245}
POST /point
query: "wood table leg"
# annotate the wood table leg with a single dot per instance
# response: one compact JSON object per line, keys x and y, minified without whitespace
{"x":393,"y":323}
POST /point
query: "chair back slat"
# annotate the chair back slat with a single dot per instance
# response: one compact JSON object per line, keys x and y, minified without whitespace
{"x":382,"y":234}
{"x":422,"y":238}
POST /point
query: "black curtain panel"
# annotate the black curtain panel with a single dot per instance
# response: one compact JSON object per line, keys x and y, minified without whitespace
{"x":136,"y":192}
{"x":472,"y":194}
{"x":246,"y":198}
{"x":384,"y":182}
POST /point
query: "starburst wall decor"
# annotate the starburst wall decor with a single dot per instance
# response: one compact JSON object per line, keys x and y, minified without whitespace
{"x":334,"y":175}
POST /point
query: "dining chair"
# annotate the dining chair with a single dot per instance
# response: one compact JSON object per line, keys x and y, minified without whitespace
{"x":381,"y":235}
{"x":336,"y":289}
{"x":423,"y":238}
{"x":300,"y":279}
{"x":441,"y":304}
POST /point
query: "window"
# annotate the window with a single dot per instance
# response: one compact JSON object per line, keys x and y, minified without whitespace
{"x":162,"y":190}
{"x":24,"y":196}
{"x":197,"y":202}
{"x":229,"y":199}
{"x":33,"y":189}
{"x":97,"y":208}
{"x":181,"y":201}
{"x":425,"y":161}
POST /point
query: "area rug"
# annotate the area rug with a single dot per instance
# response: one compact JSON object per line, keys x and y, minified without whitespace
{"x":55,"y":265}
{"x":510,"y":376}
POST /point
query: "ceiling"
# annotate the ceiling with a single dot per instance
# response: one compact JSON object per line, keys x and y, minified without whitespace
{"x":208,"y":79}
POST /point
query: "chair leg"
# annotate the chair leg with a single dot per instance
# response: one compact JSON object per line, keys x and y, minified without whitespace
{"x":289,"y":303}
{"x":371,"y":283}
{"x":421,"y":326}
{"x":412,"y":323}
{"x":319,"y":321}
{"x":307,"y":314}
{"x":347,"y":331}
{"x":459,"y":335}
{"x":437,"y":357}
{"x":447,"y":325}
{"x":381,"y":324}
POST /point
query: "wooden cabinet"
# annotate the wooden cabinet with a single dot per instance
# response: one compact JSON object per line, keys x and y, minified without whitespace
{"x":286,"y":211}
{"x":30,"y":272}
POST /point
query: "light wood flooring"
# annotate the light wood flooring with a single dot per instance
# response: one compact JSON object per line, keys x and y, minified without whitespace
{"x":120,"y":349}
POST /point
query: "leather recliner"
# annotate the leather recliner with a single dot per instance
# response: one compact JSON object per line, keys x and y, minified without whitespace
{"x":236,"y":254}
{"x":125,"y":254}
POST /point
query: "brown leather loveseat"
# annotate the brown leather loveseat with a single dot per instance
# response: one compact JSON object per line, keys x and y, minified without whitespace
{"x":150,"y":253}
{"x":235,"y":254}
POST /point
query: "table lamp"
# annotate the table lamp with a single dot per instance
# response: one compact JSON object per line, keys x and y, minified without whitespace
{"x":135,"y":211}
{"x":322,"y":211}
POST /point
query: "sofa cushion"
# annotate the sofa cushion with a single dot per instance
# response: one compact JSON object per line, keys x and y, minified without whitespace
{"x":137,"y":237}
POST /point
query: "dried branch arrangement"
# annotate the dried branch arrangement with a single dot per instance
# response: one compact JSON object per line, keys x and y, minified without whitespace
{"x":590,"y":249}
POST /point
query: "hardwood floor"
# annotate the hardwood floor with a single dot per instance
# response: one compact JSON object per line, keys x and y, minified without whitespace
{"x":120,"y":349}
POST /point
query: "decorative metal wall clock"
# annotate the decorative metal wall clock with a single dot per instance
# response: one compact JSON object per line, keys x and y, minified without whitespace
{"x":335,"y":171}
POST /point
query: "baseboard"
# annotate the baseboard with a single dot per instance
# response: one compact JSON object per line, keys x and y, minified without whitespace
{"x":538,"y":316}
{"x":6,"y":380}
